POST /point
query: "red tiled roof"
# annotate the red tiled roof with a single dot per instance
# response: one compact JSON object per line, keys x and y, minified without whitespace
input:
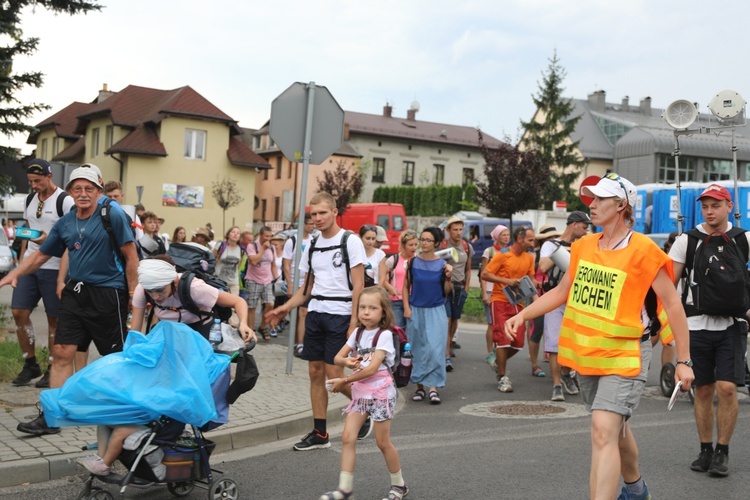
{"x":364,"y":123}
{"x":241,"y":155}
{"x":72,"y":152}
{"x":64,"y":121}
{"x":143,"y":140}
{"x":135,"y":105}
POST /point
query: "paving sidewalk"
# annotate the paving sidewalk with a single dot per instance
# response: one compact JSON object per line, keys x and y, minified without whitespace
{"x":277,"y":408}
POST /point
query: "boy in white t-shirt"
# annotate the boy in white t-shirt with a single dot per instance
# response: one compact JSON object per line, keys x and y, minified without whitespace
{"x":330,"y":318}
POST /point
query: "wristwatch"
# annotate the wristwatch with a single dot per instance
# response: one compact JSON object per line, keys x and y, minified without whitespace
{"x":688,"y":362}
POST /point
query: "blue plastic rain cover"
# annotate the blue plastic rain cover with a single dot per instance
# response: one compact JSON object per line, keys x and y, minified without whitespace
{"x":169,"y":372}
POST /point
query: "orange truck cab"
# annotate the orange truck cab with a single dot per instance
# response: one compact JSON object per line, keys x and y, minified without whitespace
{"x":390,"y":216}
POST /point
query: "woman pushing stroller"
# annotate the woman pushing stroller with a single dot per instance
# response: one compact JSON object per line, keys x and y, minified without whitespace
{"x":158,"y":279}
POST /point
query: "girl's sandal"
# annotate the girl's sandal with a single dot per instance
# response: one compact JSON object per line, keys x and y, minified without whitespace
{"x":264,"y":333}
{"x":397,"y":492}
{"x":419,"y":395}
{"x":337,"y":495}
{"x":434,"y":398}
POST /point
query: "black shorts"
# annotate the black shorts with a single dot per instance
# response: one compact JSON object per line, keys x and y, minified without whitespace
{"x":325,"y":335}
{"x":93,"y":313}
{"x":719,"y":355}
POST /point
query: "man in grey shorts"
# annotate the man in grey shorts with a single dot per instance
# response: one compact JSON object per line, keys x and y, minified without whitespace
{"x":43,"y":209}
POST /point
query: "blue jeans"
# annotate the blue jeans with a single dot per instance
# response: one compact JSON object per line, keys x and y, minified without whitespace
{"x":398,"y":313}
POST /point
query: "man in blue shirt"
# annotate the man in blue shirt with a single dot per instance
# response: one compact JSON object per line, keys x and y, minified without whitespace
{"x":95,"y":302}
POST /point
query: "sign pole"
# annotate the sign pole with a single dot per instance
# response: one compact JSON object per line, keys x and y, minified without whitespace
{"x":301,"y":218}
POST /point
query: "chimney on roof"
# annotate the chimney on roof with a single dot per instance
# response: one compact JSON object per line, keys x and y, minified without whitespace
{"x":626,"y":103}
{"x":346,"y":131}
{"x":646,"y":105}
{"x":411,"y":113}
{"x":387,"y":110}
{"x":104,"y":94}
{"x":597,"y":101}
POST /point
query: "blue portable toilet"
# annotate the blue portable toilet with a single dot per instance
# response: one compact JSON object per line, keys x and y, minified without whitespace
{"x":665,"y":207}
{"x":644,"y":198}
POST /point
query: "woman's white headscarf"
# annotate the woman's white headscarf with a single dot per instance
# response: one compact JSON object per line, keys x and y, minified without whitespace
{"x":155,"y":273}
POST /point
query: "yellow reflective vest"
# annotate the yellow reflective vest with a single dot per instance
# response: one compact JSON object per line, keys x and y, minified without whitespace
{"x":602,"y":326}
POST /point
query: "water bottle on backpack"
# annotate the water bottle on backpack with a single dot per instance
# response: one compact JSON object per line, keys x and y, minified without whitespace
{"x":403,"y":370}
{"x":214,"y":336}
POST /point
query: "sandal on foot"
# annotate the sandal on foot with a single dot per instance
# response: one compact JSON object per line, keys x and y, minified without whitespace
{"x":538,"y":372}
{"x":264,"y":333}
{"x":397,"y":492}
{"x":337,"y":494}
{"x":419,"y":395}
{"x":434,"y":398}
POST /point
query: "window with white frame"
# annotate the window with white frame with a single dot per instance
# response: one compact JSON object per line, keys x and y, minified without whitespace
{"x":195,"y":144}
{"x":43,"y":154}
{"x":56,"y":142}
{"x":109,"y":136}
{"x":95,"y":143}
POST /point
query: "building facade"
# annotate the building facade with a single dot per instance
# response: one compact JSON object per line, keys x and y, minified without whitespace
{"x":167,"y":147}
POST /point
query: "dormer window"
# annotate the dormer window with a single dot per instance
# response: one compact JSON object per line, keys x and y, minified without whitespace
{"x":195,"y":144}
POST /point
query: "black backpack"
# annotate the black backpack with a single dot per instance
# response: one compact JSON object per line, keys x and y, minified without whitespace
{"x":196,"y":261}
{"x":60,"y":199}
{"x":344,"y":258}
{"x":720,"y":281}
{"x":553,"y":276}
{"x":104,"y":211}
{"x":399,"y":341}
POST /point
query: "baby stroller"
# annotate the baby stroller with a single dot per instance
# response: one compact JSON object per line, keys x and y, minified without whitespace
{"x":172,"y":379}
{"x":184,"y":465}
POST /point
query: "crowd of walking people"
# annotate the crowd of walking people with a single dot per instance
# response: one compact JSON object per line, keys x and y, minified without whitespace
{"x":595,"y":301}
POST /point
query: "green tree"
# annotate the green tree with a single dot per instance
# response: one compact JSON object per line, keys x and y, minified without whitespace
{"x":227,"y":195}
{"x":12,"y":111}
{"x":342,"y":183}
{"x":550,"y":136}
{"x":515,"y":180}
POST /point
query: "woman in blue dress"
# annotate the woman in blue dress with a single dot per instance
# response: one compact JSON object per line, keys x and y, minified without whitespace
{"x":428,"y":281}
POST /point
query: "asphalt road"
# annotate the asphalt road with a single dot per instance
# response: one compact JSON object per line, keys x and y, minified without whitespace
{"x":450,"y":452}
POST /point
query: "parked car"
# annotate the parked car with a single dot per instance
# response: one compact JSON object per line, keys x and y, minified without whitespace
{"x":390,"y":216}
{"x":477,"y":231}
{"x":6,"y":255}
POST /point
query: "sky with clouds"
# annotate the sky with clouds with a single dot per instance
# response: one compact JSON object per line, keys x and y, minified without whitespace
{"x":470,"y":62}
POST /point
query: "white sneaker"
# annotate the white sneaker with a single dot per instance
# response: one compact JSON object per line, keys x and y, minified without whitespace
{"x":504,"y":385}
{"x":95,"y":465}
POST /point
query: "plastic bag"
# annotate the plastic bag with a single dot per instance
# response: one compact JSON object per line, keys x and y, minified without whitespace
{"x":169,"y":372}
{"x":231,"y":339}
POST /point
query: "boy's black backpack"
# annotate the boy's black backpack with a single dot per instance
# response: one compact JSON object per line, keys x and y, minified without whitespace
{"x":399,"y":341}
{"x":720,"y":280}
{"x":344,"y":258}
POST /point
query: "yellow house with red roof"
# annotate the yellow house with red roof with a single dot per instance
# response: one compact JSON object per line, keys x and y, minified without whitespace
{"x":174,"y":144}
